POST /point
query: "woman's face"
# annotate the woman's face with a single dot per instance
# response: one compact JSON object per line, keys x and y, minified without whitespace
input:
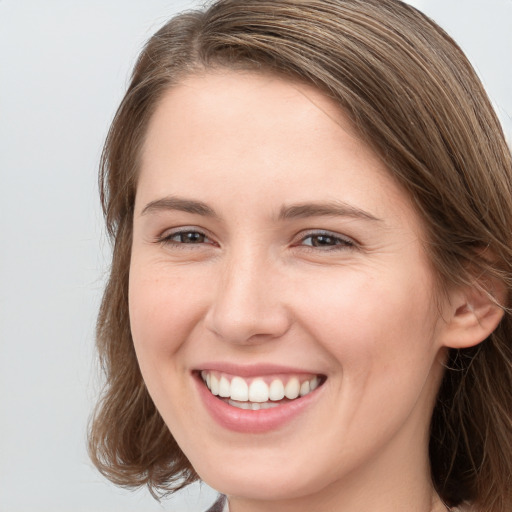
{"x":273,"y":253}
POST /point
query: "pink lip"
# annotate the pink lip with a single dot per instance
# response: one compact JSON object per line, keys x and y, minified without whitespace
{"x":254,"y":370}
{"x":249,"y":421}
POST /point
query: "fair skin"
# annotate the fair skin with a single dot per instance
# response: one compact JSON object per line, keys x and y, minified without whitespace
{"x":270,"y":243}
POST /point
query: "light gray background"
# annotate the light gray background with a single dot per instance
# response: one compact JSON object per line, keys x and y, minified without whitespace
{"x":63,"y":67}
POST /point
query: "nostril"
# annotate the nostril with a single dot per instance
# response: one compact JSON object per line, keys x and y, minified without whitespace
{"x":246,"y":305}
{"x":239,"y":326}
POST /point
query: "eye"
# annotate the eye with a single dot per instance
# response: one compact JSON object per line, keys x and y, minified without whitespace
{"x":184,"y":236}
{"x":326,"y":240}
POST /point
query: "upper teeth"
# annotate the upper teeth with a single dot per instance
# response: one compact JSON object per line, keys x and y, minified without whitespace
{"x":257,"y":389}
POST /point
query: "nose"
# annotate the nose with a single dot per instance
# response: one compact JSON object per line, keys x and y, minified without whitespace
{"x":248,"y":305}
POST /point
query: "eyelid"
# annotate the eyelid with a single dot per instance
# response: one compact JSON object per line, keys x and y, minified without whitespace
{"x":165,"y":236}
{"x":347,"y":242}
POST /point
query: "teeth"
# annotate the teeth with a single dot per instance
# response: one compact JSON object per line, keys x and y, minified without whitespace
{"x":258,"y":391}
{"x":276,"y":391}
{"x":239,"y":389}
{"x":224,"y":387}
{"x":292,"y":388}
{"x":214,"y":385}
{"x":240,"y":405}
{"x":304,"y":388}
{"x":252,"y":406}
{"x":257,"y":394}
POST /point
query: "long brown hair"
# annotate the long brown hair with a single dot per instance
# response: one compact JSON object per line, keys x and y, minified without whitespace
{"x":413,"y":96}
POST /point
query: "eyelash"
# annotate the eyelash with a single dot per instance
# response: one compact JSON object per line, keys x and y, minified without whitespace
{"x":337,"y":242}
{"x":168,"y":239}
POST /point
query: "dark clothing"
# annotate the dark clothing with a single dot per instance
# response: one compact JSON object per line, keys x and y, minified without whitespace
{"x":218,"y":506}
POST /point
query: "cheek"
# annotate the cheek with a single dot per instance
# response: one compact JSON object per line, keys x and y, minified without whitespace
{"x":378,"y":334}
{"x":162,"y":315}
{"x":363,"y":321}
{"x":162,"y":308}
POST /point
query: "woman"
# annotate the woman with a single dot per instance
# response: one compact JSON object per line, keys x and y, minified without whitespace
{"x":308,"y":307}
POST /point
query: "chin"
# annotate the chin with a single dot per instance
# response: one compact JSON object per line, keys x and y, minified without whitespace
{"x":262,"y":483}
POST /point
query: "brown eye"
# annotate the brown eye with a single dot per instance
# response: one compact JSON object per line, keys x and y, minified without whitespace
{"x":327,"y":240}
{"x":322,"y":241}
{"x":189,"y":237}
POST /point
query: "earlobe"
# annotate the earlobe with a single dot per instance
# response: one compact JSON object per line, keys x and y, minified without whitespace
{"x":473,"y":315}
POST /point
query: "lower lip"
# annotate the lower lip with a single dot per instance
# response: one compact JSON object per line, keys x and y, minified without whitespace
{"x":249,"y":421}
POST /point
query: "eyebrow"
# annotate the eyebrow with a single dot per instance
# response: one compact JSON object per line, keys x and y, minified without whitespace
{"x":180,"y":204}
{"x":324,"y":209}
{"x":294,"y":211}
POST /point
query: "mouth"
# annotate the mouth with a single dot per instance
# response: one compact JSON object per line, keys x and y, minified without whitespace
{"x":260,"y":392}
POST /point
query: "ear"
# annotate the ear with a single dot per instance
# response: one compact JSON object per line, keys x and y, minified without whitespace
{"x":472,"y":313}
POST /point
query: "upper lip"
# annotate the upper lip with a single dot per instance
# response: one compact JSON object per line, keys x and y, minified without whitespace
{"x":253,"y":370}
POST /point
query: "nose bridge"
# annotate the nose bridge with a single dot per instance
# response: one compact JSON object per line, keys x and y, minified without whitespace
{"x":247,"y":305}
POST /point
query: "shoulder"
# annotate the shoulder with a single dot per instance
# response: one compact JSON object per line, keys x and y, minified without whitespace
{"x":220,"y":505}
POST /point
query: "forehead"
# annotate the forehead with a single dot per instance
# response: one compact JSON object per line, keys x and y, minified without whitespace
{"x":207,"y":106}
{"x":258,"y":135}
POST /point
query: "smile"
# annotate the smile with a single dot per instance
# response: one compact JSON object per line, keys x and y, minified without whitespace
{"x":258,"y":393}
